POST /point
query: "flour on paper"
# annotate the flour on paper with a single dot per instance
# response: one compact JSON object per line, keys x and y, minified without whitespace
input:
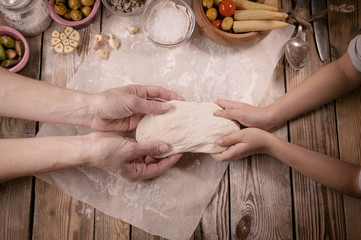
{"x":199,"y":70}
{"x":186,"y":127}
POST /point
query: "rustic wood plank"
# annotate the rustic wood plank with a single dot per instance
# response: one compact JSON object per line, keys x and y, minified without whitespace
{"x":318,"y":211}
{"x":260,"y":188}
{"x":60,"y":217}
{"x":56,"y":214}
{"x":109,"y":228}
{"x":348,"y":114}
{"x":16,"y":195}
{"x":215,"y":220}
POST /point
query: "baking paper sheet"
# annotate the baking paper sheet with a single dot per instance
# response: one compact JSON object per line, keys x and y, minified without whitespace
{"x":171,"y":205}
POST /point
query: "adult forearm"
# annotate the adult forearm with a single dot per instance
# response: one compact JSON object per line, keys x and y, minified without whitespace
{"x":23,"y":157}
{"x":22,"y":97}
{"x":328,"y":171}
{"x":323,"y":86}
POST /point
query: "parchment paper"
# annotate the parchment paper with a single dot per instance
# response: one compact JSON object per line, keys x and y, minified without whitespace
{"x":171,"y":205}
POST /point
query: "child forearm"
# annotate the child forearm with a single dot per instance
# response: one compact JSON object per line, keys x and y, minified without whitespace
{"x":22,"y":97}
{"x":323,"y":86}
{"x":23,"y":157}
{"x":328,"y":171}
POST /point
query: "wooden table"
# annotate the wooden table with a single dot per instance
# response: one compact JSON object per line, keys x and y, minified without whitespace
{"x":269,"y":199}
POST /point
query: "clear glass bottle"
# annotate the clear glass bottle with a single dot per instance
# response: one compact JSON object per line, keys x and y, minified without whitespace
{"x":30,"y":17}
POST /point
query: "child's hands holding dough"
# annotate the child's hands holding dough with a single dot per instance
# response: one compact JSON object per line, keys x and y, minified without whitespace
{"x":247,"y":115}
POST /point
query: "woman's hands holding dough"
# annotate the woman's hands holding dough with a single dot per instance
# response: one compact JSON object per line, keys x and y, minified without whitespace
{"x":132,"y":160}
{"x":121,"y":109}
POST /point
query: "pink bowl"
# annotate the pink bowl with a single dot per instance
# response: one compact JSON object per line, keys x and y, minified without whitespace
{"x":4,"y":30}
{"x":75,"y":24}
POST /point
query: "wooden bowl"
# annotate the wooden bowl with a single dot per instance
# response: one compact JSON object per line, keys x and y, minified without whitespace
{"x":226,"y":39}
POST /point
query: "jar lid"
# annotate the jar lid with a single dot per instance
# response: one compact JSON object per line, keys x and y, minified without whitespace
{"x":13,"y":3}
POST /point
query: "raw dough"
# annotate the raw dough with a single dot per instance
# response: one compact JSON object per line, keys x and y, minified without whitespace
{"x":186,"y":127}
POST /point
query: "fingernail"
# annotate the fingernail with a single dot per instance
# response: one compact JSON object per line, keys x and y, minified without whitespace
{"x":218,"y":113}
{"x":164,"y":106}
{"x":163,"y":148}
{"x":220,"y":142}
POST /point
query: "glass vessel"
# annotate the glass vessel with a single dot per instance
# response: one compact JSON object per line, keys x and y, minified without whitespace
{"x":30,"y":17}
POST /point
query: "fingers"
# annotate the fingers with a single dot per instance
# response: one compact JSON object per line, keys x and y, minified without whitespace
{"x":228,"y":113}
{"x":144,"y":171}
{"x":148,"y":149}
{"x":232,"y":153}
{"x":229,"y":140}
{"x":141,"y":105}
{"x":163,"y":93}
{"x":226,"y":104}
{"x":153,"y":92}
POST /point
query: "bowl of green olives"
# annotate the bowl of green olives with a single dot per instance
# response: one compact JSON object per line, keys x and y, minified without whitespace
{"x":14,"y":49}
{"x":74,"y":13}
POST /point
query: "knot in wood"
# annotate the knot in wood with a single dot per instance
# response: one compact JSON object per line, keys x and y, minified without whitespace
{"x":243,"y":227}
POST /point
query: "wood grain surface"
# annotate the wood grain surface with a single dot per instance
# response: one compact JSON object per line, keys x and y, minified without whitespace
{"x":258,"y":198}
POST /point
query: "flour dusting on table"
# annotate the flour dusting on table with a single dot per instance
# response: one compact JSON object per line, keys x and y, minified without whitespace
{"x":171,"y":205}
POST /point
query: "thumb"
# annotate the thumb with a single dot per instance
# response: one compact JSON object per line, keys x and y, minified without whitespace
{"x":150,"y":149}
{"x":150,"y":107}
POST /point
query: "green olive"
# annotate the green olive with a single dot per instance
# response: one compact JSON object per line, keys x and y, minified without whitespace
{"x":67,"y":15}
{"x":7,"y":41}
{"x":76,"y":15}
{"x":207,"y":3}
{"x":61,"y":1}
{"x":211,"y":14}
{"x":74,"y":4}
{"x":2,"y":53}
{"x":87,"y":3}
{"x":227,"y":24}
{"x":8,"y":63}
{"x":86,"y":11}
{"x":60,"y":9}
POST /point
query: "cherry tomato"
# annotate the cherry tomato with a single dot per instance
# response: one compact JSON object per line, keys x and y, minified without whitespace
{"x":227,"y":8}
{"x":217,"y":23}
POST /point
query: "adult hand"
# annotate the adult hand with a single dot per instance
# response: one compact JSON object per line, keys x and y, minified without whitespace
{"x":130,"y":159}
{"x":121,"y":109}
{"x":245,"y":114}
{"x":243,"y":143}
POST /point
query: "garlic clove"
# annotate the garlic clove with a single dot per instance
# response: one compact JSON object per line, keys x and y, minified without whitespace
{"x":114,"y":43}
{"x":75,"y":36}
{"x":55,"y":34}
{"x":101,"y":38}
{"x":103,"y":53}
{"x":55,"y":41}
{"x":59,"y":48}
{"x":132,"y":30}
{"x":63,"y":36}
{"x":68,"y":30}
{"x":68,"y":49}
{"x":66,"y":42}
{"x":73,"y":43}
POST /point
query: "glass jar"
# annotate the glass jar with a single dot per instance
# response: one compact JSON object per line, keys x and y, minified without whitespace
{"x":30,"y":17}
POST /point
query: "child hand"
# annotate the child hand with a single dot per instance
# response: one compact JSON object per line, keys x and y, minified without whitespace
{"x":243,"y":143}
{"x":245,"y":114}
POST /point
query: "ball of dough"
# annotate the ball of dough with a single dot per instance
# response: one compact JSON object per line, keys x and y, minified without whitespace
{"x":186,"y":127}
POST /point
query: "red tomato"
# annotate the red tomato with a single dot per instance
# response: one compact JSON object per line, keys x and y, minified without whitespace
{"x":227,"y":8}
{"x":217,"y":23}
